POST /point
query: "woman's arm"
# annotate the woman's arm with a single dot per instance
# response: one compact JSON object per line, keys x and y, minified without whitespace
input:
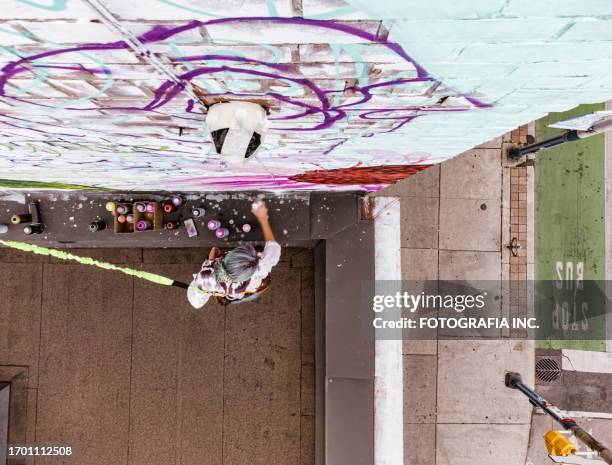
{"x":260,"y":210}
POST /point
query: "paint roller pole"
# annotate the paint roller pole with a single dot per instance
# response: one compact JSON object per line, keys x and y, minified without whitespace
{"x":514,"y":381}
{"x":60,"y":254}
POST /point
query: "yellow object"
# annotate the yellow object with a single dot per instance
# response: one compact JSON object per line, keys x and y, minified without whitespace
{"x":558,"y":444}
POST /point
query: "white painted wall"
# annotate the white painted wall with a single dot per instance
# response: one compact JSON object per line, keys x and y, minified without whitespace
{"x":388,"y":374}
{"x":608,"y":223}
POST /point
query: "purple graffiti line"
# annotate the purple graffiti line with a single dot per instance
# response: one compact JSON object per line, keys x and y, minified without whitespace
{"x":168,"y":91}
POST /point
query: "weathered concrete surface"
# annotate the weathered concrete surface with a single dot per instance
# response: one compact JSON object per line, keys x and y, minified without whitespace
{"x":471,"y":382}
{"x":470,"y":444}
{"x":224,"y":385}
{"x":349,"y":351}
{"x":456,"y":408}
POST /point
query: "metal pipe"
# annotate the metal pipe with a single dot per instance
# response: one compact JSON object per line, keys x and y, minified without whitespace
{"x":514,"y":381}
{"x":569,"y":136}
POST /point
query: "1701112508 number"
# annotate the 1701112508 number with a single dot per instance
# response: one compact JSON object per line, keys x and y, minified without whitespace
{"x":38,"y":451}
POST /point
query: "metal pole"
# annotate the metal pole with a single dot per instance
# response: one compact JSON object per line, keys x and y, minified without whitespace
{"x":518,"y":152}
{"x":514,"y":381}
{"x":569,"y":136}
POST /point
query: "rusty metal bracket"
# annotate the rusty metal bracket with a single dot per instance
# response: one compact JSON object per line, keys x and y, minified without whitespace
{"x":514,"y":247}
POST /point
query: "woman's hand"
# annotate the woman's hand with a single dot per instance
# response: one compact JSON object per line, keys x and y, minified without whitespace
{"x":214,"y":253}
{"x":260,"y":210}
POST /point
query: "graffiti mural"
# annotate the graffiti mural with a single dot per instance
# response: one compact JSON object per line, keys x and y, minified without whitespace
{"x":97,"y":112}
{"x":113,"y":96}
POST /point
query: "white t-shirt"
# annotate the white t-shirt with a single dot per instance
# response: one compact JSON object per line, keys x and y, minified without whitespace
{"x":204,"y":282}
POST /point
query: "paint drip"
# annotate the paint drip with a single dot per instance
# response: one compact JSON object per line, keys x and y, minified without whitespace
{"x":96,"y":226}
{"x":18,"y":219}
{"x":221,"y":233}
{"x":213,"y":224}
{"x":143,"y":225}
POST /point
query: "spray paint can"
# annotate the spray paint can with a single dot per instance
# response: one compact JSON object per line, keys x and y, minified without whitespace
{"x":35,"y":228}
{"x":168,"y":207}
{"x":130,"y":218}
{"x":141,"y":207}
{"x":18,"y":219}
{"x":177,"y":200}
{"x":143,"y":225}
{"x":151,"y":207}
{"x":3,"y":228}
{"x":213,"y":224}
{"x":96,"y":226}
{"x":122,"y":218}
{"x":221,"y":233}
{"x":171,"y":225}
{"x":110,"y":206}
{"x":246,"y":227}
{"x":122,"y":209}
{"x":198,"y":212}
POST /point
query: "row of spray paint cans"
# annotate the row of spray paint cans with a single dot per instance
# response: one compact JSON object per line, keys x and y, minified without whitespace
{"x":221,"y":232}
{"x":35,"y":225}
{"x":125,"y":215}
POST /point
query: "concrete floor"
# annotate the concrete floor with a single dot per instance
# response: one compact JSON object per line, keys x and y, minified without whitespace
{"x":456,"y":408}
{"x":126,"y":372}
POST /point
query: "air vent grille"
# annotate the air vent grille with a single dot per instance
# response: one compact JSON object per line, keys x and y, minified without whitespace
{"x":548,"y":370}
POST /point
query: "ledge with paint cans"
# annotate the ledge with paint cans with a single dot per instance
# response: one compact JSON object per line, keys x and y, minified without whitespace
{"x":139,"y":216}
{"x":148,"y":215}
{"x":31,"y":222}
{"x":80,"y":219}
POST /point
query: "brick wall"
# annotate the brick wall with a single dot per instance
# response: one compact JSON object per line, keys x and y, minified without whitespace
{"x":456,"y":74}
{"x":519,"y":234}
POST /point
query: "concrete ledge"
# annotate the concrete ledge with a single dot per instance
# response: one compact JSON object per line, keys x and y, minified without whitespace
{"x":586,"y":361}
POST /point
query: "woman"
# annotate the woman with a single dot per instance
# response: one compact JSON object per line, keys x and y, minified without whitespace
{"x":238,"y":273}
